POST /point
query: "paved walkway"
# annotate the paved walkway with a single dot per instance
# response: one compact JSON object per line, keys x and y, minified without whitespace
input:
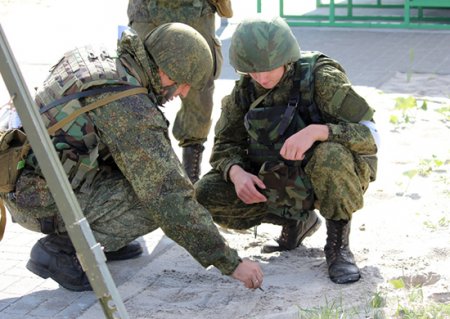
{"x":371,"y":57}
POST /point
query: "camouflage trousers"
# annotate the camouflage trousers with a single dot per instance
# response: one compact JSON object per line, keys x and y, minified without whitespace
{"x":114,"y":212}
{"x":193,"y":120}
{"x":339,"y":179}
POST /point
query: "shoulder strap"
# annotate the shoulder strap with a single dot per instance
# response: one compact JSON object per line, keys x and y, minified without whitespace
{"x":140,"y":90}
{"x":259,"y":100}
{"x":82,"y":94}
{"x":309,"y":110}
{"x":51,"y":130}
{"x":294,"y":98}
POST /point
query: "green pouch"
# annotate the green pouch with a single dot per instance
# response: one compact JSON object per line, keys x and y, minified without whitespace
{"x":13,"y":149}
{"x":288,"y":190}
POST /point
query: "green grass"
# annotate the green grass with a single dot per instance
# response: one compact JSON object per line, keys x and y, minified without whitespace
{"x":331,"y":310}
{"x":425,"y":168}
{"x":403,"y":303}
{"x":441,"y":223}
{"x":414,"y":306}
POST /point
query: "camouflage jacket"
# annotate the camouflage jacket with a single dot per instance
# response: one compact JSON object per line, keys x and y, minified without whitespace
{"x":164,"y":11}
{"x":133,"y":132}
{"x":333,"y":95}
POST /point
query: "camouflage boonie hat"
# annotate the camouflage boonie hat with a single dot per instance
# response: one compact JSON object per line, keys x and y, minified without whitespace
{"x":260,"y":45}
{"x":182,"y":53}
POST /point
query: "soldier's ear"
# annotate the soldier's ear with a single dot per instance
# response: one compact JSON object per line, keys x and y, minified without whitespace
{"x":165,"y":80}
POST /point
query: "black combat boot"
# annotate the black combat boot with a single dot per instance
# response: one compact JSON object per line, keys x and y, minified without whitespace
{"x":293,"y":231}
{"x":192,"y":161}
{"x":54,"y":256}
{"x":341,"y":262}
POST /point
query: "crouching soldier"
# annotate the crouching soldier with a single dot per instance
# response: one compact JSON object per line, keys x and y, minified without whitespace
{"x":119,"y":159}
{"x":293,"y":136}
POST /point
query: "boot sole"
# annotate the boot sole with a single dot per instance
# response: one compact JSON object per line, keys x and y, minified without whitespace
{"x":45,"y":273}
{"x":346,"y":279}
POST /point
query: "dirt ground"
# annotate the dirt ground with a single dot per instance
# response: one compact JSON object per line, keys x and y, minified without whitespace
{"x":401,"y":237}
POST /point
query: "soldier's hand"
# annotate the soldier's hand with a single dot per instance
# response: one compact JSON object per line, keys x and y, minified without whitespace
{"x":250,"y":273}
{"x":295,"y":147}
{"x":245,"y":185}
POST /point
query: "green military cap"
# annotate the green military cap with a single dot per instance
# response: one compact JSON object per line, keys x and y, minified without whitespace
{"x":260,"y":45}
{"x":182,"y":53}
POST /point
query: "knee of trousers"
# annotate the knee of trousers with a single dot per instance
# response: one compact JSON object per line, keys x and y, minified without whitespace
{"x":220,"y":199}
{"x":29,"y":218}
{"x":337,"y":186}
{"x":331,"y":154}
{"x":213,"y":191}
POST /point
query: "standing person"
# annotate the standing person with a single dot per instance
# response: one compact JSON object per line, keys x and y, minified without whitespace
{"x":293,"y":136}
{"x":193,"y":120}
{"x":119,"y":159}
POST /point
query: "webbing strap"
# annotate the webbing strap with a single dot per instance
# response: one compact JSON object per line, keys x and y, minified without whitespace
{"x":87,"y":93}
{"x":259,"y":100}
{"x":140,"y":90}
{"x":3,"y":218}
{"x":51,"y":130}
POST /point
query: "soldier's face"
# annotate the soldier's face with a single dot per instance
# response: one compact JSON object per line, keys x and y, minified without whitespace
{"x":171,"y":89}
{"x":268,"y":79}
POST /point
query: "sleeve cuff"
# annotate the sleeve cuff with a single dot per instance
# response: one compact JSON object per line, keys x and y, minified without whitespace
{"x":334,"y":131}
{"x":228,"y":265}
{"x":226,"y":171}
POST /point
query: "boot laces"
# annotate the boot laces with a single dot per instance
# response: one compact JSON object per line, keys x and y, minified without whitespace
{"x":195,"y":169}
{"x":337,"y":248}
{"x":288,"y":234}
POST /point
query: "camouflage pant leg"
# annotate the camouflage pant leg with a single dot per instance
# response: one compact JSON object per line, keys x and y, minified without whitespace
{"x":193,"y":120}
{"x":115,"y":213}
{"x":227,"y":210}
{"x":339,"y":180}
{"x":112,"y":209}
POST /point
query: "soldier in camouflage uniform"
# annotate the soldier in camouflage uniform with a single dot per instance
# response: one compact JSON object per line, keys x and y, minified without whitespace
{"x":193,"y":120}
{"x":293,"y":136}
{"x":119,"y":159}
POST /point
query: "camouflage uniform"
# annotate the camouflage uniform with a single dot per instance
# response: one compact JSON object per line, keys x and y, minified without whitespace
{"x":193,"y":120}
{"x":304,"y":89}
{"x":336,"y":168}
{"x":138,"y":183}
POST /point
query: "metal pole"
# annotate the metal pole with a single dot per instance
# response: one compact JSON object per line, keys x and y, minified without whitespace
{"x":89,"y":252}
